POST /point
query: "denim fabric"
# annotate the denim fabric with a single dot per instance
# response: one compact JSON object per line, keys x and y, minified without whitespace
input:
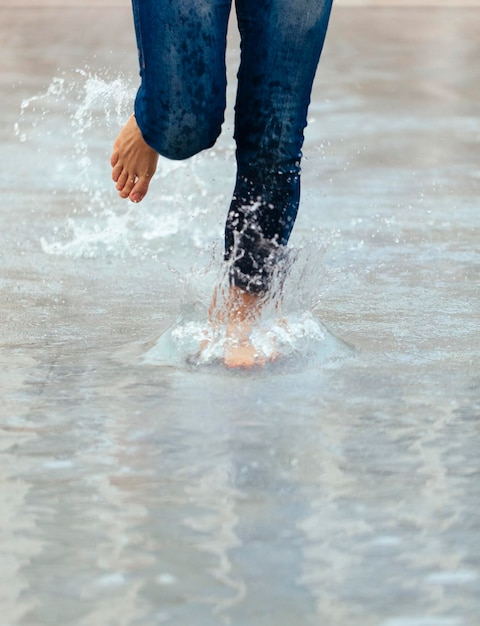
{"x":181,"y":101}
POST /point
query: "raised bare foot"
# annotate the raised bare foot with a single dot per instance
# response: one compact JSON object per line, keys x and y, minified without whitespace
{"x":133,"y":161}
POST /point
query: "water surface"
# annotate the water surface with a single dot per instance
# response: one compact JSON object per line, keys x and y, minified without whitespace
{"x":332,"y":488}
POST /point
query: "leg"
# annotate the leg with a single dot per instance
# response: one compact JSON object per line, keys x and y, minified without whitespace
{"x":180,"y":104}
{"x":281,"y":45}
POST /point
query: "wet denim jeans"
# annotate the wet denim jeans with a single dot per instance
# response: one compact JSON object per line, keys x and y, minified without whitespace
{"x":181,"y":102}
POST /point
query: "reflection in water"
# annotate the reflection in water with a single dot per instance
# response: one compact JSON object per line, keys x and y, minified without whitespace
{"x":216,"y":529}
{"x":387,"y":504}
{"x":331,"y":491}
{"x":16,"y":526}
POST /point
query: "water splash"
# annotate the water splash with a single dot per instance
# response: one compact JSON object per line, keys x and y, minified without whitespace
{"x":108,"y":239}
{"x":286,"y":331}
{"x":295,"y":339}
{"x":72,"y":125}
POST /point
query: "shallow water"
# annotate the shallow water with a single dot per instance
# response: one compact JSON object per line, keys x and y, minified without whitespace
{"x":337,"y":486}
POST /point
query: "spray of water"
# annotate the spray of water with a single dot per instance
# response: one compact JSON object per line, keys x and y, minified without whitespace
{"x":285,"y":331}
{"x":184,"y":212}
{"x":74,"y":122}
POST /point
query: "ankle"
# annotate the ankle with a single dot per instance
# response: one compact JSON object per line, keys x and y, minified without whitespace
{"x":242,"y":306}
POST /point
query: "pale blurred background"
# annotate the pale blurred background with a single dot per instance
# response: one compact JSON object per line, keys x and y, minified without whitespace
{"x":112,"y":3}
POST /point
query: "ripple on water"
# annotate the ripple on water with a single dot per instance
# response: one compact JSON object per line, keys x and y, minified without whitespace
{"x":423,"y":621}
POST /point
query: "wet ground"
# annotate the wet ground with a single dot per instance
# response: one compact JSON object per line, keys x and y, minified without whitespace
{"x":338,"y":486}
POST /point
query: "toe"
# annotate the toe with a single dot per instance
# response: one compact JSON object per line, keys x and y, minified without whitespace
{"x":139,"y":190}
{"x":127,"y":188}
{"x":122,"y":180}
{"x":116,"y":172}
{"x":114,"y":158}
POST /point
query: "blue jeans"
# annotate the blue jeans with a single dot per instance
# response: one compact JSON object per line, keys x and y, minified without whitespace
{"x":181,"y":102}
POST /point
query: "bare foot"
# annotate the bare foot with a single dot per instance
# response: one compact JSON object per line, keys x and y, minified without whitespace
{"x":242,"y":309}
{"x":133,"y":161}
{"x":239,"y":350}
{"x":239,"y":312}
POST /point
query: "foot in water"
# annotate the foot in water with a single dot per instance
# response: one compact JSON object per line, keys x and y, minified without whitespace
{"x":133,"y":161}
{"x":240,"y":311}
